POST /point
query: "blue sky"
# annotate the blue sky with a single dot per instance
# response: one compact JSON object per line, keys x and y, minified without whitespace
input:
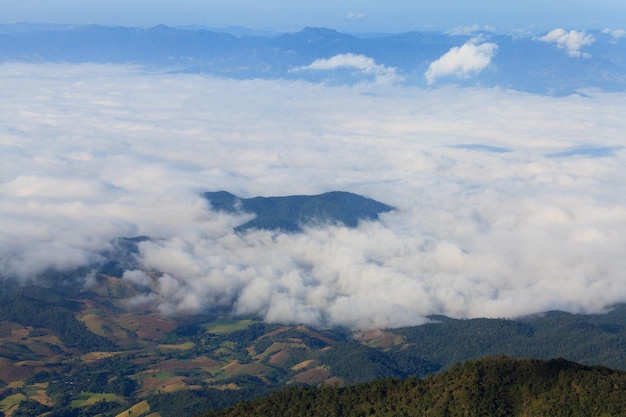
{"x":349,"y":15}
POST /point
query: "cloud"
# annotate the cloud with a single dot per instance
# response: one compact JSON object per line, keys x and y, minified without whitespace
{"x":572,"y":41}
{"x":355,"y":16}
{"x":464,"y":61}
{"x":616,"y":34}
{"x":361,"y":63}
{"x":468,"y":30}
{"x":489,"y":222}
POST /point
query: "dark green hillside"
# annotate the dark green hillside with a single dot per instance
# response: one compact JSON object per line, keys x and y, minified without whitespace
{"x":588,"y":339}
{"x":44,"y":308}
{"x":497,"y":386}
{"x":290,"y":213}
{"x":194,"y":402}
{"x":353,"y":362}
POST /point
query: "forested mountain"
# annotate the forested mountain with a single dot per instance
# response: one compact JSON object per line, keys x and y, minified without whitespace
{"x":290,"y":213}
{"x":40,"y":308}
{"x":75,"y":351}
{"x":497,"y":386}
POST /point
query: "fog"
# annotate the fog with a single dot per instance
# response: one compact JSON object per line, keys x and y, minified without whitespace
{"x":507,"y":203}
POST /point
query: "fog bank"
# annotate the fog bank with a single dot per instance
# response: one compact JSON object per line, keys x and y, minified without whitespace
{"x":507,"y":203}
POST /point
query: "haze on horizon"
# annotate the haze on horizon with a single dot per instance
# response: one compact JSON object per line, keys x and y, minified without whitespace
{"x":351,"y":15}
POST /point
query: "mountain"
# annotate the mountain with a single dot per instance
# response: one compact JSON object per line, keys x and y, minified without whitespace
{"x":290,"y":213}
{"x":533,"y":63}
{"x":86,"y":352}
{"x":497,"y":386}
{"x":37,"y":307}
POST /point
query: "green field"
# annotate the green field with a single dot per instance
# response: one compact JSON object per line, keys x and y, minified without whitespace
{"x":162,"y":376}
{"x":11,"y":401}
{"x":85,"y":399}
{"x":226,"y":326}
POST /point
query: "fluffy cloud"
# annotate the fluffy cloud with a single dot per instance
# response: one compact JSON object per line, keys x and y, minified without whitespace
{"x":462,"y":61}
{"x":361,"y":63}
{"x":499,"y":213}
{"x":571,"y":41}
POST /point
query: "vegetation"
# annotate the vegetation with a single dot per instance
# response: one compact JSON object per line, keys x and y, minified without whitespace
{"x":589,"y":339}
{"x":43,"y":308}
{"x":194,"y":402}
{"x":290,"y":213}
{"x":78,"y":353}
{"x":372,"y":363}
{"x":497,"y":386}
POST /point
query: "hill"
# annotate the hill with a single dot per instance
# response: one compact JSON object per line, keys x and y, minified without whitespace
{"x":73,"y":351}
{"x":497,"y":386}
{"x":290,"y":213}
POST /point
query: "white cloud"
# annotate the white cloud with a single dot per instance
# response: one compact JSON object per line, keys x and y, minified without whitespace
{"x":93,"y":153}
{"x":464,"y":61}
{"x":572,"y":41}
{"x":366,"y":65}
{"x":616,"y":33}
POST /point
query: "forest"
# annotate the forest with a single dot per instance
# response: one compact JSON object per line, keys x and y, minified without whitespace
{"x":497,"y":386}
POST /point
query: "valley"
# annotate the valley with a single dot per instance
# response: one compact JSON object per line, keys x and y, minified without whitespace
{"x":141,"y":362}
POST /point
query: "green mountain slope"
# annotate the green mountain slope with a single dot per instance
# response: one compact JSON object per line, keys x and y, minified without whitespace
{"x":589,"y":339}
{"x":497,"y":386}
{"x":80,"y":352}
{"x":44,"y":309}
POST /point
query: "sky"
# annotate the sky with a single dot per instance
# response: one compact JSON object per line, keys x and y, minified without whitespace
{"x":347,"y":15}
{"x":507,"y":203}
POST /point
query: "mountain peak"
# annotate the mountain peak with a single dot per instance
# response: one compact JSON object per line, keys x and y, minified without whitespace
{"x":290,"y":213}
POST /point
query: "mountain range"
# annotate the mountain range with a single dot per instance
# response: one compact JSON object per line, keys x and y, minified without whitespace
{"x":83,"y":352}
{"x":75,"y":348}
{"x":74,"y":343}
{"x":552,"y":63}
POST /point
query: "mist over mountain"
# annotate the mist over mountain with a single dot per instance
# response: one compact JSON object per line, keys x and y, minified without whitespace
{"x":482,"y":212}
{"x":499,"y":152}
{"x":558,"y":62}
{"x":505,"y":203}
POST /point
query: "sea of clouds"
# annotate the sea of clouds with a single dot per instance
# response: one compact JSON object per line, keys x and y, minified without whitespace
{"x":507,"y":203}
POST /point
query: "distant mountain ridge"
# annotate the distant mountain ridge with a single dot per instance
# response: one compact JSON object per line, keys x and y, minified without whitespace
{"x":521,"y":63}
{"x":290,"y":213}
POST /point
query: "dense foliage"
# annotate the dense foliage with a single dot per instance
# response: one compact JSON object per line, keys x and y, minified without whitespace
{"x":589,"y":339}
{"x":194,"y":402}
{"x":354,"y":363}
{"x":497,"y":386}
